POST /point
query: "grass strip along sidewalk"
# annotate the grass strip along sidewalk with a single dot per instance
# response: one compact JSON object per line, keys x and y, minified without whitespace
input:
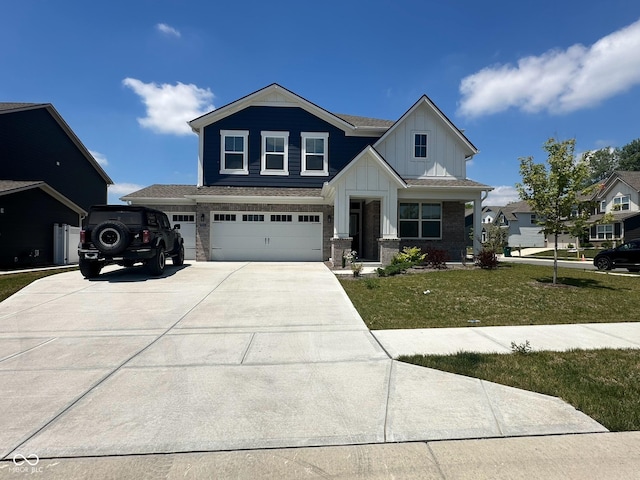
{"x":604,"y":384}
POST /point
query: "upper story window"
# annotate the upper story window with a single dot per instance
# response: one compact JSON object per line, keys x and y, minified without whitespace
{"x":275,"y":153}
{"x":420,"y":220}
{"x":534,"y":219}
{"x":603,"y":206}
{"x":234,"y":152}
{"x":420,"y":145}
{"x":315,"y":159}
{"x":622,"y":203}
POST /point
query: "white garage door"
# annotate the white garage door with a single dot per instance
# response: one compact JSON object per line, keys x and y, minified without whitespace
{"x":187,"y":223}
{"x":266,"y":236}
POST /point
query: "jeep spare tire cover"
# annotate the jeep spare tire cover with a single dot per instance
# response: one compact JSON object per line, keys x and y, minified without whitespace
{"x":111,"y":237}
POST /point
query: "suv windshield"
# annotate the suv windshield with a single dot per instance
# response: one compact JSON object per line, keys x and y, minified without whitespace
{"x":128,"y":218}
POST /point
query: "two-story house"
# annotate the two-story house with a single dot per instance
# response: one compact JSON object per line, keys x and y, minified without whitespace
{"x":618,"y":196}
{"x":47,"y":178}
{"x":522,"y":225}
{"x":280,"y":178}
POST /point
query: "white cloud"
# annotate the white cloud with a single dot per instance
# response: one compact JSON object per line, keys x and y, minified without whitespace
{"x":169,"y":107}
{"x":558,"y":81}
{"x":501,"y":196}
{"x":100,"y":158}
{"x":168,"y":30}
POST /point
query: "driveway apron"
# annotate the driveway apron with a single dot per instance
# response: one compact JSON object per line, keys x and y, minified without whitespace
{"x":227,"y":356}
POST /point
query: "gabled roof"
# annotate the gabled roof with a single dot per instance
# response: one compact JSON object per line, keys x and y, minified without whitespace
{"x":632,"y":179}
{"x":9,"y":187}
{"x":424,"y":100}
{"x":276,"y":95}
{"x":512,"y":210}
{"x":382,"y":164}
{"x":7,"y":108}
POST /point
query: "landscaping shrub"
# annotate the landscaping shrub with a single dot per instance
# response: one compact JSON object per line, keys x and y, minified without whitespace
{"x":412,"y":255}
{"x":394,"y":269}
{"x":487,"y":259}
{"x":437,"y":258}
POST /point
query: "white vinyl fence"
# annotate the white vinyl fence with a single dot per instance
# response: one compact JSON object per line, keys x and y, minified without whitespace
{"x":65,"y":244}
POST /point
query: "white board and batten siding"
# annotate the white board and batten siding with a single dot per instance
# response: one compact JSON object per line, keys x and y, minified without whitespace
{"x":446,"y":151}
{"x":266,"y":236}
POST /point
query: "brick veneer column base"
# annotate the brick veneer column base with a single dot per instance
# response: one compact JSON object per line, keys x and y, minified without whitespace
{"x":388,"y":247}
{"x":338,"y":246}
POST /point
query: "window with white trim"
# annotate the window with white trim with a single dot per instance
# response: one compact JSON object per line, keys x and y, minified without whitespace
{"x":622,"y":203}
{"x":604,"y":232}
{"x":275,"y":153}
{"x":234,"y":145}
{"x":603,"y":206}
{"x":315,"y":159}
{"x":420,"y":220}
{"x":420,"y":145}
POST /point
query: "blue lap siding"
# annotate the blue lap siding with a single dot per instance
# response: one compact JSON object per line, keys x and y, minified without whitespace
{"x":341,"y":149}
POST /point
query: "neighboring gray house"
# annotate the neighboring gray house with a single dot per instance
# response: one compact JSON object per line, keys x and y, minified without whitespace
{"x":522,"y":224}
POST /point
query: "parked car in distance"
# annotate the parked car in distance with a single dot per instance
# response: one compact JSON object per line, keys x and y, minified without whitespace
{"x":126,"y":235}
{"x":626,"y":256}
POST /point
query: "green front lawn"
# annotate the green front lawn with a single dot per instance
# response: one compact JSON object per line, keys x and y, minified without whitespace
{"x":604,"y":384}
{"x":12,"y":282}
{"x":513,"y":294}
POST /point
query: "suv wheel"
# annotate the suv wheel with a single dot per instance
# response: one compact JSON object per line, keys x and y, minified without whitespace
{"x":89,"y":269}
{"x":157,"y":263}
{"x":179,"y":257}
{"x":111,"y":238}
{"x":603,"y":263}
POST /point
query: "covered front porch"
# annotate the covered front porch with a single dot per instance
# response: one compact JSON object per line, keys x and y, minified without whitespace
{"x":377,"y":213}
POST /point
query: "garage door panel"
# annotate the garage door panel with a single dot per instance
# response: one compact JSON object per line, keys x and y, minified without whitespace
{"x":266,"y":240}
{"x":187,"y":222}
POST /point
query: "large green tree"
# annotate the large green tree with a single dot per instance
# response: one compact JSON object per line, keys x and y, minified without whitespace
{"x":601,"y":163}
{"x":553,"y":191}
{"x":629,"y":156}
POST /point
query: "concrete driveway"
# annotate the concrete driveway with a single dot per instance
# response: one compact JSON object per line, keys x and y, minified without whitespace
{"x":227,"y":356}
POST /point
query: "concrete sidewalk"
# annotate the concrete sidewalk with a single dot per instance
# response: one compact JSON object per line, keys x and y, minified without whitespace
{"x":446,"y":341}
{"x":228,"y":356}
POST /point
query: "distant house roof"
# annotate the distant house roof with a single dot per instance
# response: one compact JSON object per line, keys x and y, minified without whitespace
{"x":630,"y":178}
{"x":7,"y":108}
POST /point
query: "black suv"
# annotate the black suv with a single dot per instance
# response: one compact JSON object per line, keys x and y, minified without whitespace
{"x":126,"y":235}
{"x":626,"y":256}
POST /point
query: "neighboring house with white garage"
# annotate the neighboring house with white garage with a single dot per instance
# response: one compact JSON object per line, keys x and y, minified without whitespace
{"x":522,"y":224}
{"x":280,"y":178}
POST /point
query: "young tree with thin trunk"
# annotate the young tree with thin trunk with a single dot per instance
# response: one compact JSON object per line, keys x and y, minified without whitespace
{"x":553,"y":191}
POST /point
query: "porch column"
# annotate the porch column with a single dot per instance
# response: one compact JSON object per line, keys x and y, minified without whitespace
{"x":341,"y":214}
{"x":389,"y":214}
{"x":477,"y":224}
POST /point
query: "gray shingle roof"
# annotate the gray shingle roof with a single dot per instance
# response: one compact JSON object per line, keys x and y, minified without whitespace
{"x":180,"y":191}
{"x":436,"y":182}
{"x":357,"y":121}
{"x":8,"y":186}
{"x":6,"y":106}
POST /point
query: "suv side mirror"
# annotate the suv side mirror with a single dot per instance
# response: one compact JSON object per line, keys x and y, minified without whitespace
{"x":176,"y":226}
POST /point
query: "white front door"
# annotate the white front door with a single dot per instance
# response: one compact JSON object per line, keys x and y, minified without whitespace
{"x":266,"y":236}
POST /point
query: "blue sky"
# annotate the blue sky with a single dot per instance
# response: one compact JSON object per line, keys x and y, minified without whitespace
{"x":127,"y":75}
